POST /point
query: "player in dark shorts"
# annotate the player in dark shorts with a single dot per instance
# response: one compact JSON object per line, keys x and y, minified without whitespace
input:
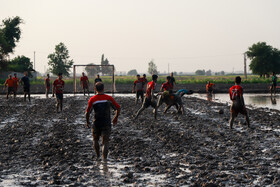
{"x":84,"y":83}
{"x":274,"y":83}
{"x":172,"y":80}
{"x":47,"y":85}
{"x":96,"y":80}
{"x":58,"y":86}
{"x":16,"y":81}
{"x":26,"y":85}
{"x":10,"y":82}
{"x":138,"y":84}
{"x":238,"y":105}
{"x":149,"y":98}
{"x":101,"y":104}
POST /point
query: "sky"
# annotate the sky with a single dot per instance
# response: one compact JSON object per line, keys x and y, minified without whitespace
{"x":185,"y":34}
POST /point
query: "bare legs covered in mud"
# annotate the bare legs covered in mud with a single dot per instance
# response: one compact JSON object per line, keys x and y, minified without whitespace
{"x":26,"y":93}
{"x":234,"y":115}
{"x":105,"y":146}
{"x":58,"y":104}
{"x":147,"y":102}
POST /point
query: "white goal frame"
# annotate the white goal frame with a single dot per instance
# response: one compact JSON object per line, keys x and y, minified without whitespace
{"x":75,"y":79}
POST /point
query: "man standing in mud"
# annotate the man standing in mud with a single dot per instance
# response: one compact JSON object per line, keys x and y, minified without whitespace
{"x":149,"y":98}
{"x":84,"y":83}
{"x":274,"y":83}
{"x":138,"y":84}
{"x":26,"y":85}
{"x":58,"y":86}
{"x":101,"y":104}
{"x":10,"y":82}
{"x":238,"y":105}
{"x":47,"y":85}
{"x":16,"y":81}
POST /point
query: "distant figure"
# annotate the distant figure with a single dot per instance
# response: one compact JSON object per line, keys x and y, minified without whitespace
{"x":84,"y":83}
{"x":238,"y":105}
{"x":58,"y":87}
{"x":10,"y":82}
{"x":274,"y":83}
{"x":172,"y":80}
{"x":26,"y":85}
{"x":16,"y":82}
{"x":47,"y":85}
{"x":101,"y":104}
{"x":138,"y":84}
{"x":97,"y":79}
{"x":210,"y":87}
{"x":149,"y":98}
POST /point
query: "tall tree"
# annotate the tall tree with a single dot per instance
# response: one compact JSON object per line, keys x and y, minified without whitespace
{"x":59,"y":61}
{"x":9,"y":34}
{"x":132,"y":72}
{"x":105,"y":70}
{"x":92,"y":70}
{"x":152,"y":68}
{"x":264,"y":59}
{"x":21,"y":64}
{"x":200,"y":72}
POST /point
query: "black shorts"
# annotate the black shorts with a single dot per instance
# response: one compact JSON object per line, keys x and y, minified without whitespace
{"x":26,"y":89}
{"x":104,"y":132}
{"x":59,"y":96}
{"x":10,"y":90}
{"x":148,"y":102}
{"x":139,"y":93}
{"x":273,"y":85}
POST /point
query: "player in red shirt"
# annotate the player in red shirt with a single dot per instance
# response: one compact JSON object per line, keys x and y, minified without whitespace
{"x":238,"y":105}
{"x":138,"y":84}
{"x":149,"y":98}
{"x":58,"y":86}
{"x":10,"y":82}
{"x":47,"y":85}
{"x":84,"y":83}
{"x":16,"y":81}
{"x":101,"y":104}
{"x":166,"y":91}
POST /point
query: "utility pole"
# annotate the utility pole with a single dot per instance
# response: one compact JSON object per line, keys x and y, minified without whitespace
{"x":245,"y":70}
{"x":34,"y":60}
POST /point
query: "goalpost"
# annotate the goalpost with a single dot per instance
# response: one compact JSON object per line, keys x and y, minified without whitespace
{"x":106,"y":72}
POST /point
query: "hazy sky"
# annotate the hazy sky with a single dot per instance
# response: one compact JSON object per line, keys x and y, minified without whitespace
{"x":187,"y":34}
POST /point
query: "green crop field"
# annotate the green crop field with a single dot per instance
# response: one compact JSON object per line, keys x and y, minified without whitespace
{"x":186,"y":79}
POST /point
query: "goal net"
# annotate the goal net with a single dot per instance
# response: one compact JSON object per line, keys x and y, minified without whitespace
{"x":105,"y":72}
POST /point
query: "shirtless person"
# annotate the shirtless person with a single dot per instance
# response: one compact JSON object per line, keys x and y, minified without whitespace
{"x":138,"y":84}
{"x":238,"y":105}
{"x":58,"y":86}
{"x":11,"y":84}
{"x":84,"y":83}
{"x":16,"y":81}
{"x":47,"y":85}
{"x":101,"y":104}
{"x":26,"y":85}
{"x":149,"y":98}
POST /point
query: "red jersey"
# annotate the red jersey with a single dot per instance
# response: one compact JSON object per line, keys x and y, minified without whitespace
{"x":10,"y":82}
{"x":47,"y":81}
{"x":101,"y":103}
{"x":15,"y":81}
{"x":58,"y":86}
{"x":167,"y":86}
{"x":143,"y":80}
{"x":150,"y":86}
{"x":84,"y":80}
{"x":235,"y":91}
{"x":138,"y":85}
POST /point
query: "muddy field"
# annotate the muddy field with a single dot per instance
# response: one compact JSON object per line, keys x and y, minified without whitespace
{"x":40,"y":147}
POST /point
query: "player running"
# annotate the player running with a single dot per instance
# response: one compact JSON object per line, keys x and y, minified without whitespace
{"x":101,"y":104}
{"x":58,"y":86}
{"x":84,"y":83}
{"x":238,"y":105}
{"x":26,"y":85}
{"x":10,"y":82}
{"x":138,"y":84}
{"x":149,"y":98}
{"x":47,"y":85}
{"x":16,"y":82}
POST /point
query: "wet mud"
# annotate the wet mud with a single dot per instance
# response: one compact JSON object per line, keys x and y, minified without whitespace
{"x":40,"y":147}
